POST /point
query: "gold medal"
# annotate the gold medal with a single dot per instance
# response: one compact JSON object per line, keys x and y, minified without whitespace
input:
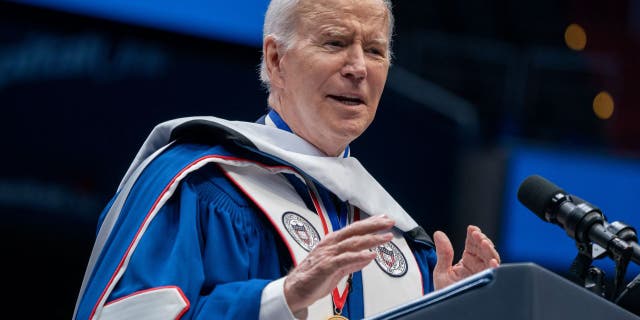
{"x":337,"y":317}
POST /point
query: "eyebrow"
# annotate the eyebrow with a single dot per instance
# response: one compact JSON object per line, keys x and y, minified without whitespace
{"x":340,"y":32}
{"x":378,"y":41}
{"x":334,"y":31}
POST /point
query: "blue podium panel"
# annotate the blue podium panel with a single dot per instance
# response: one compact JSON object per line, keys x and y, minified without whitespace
{"x":522,"y":291}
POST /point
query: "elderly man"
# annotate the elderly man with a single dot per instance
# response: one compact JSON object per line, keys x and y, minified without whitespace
{"x":274,"y":220}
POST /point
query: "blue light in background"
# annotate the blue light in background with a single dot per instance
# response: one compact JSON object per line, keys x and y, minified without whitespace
{"x":234,"y":21}
{"x":612,"y":184}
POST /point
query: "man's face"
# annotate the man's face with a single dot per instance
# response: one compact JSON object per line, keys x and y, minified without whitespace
{"x":332,"y":78}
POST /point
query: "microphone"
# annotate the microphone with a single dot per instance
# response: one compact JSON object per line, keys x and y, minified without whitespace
{"x":581,"y":220}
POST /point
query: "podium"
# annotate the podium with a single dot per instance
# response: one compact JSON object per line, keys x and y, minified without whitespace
{"x":522,"y":291}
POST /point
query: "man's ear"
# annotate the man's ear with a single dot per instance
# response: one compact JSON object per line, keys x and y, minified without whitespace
{"x":273,"y":58}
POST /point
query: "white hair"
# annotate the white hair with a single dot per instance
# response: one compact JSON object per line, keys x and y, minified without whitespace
{"x":280,"y":22}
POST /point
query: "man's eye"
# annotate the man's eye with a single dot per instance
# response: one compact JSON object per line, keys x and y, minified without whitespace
{"x":376,"y":51}
{"x":335,"y":43}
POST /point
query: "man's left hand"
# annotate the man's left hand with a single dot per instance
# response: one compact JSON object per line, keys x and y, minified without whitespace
{"x":479,"y":254}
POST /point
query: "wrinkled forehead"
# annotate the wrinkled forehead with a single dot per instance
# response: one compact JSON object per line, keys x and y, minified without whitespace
{"x":372,"y":14}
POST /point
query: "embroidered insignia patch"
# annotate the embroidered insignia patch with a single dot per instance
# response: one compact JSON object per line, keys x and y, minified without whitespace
{"x":391,"y":260}
{"x":301,"y":230}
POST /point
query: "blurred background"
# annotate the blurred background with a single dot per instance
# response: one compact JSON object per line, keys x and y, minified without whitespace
{"x":481,"y":95}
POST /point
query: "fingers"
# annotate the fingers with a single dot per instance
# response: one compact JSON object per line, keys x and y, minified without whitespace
{"x":349,"y":262}
{"x":366,"y":226}
{"x":475,"y":235}
{"x":338,"y":266}
{"x":485,"y":246}
{"x":480,"y":250}
{"x":358,"y":237}
{"x":361,"y":235}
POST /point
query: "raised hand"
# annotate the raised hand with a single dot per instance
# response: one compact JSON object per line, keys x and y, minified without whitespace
{"x":337,"y":255}
{"x":479,"y":254}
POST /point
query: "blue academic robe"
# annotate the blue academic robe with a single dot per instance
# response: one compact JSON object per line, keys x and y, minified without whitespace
{"x":208,"y":239}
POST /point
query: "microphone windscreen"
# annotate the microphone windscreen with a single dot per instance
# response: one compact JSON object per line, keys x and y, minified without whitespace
{"x":536,"y":193}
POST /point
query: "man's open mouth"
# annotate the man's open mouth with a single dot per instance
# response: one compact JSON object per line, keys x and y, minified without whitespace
{"x":351,"y":101}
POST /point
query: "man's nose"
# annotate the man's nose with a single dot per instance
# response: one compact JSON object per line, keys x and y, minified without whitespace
{"x":355,"y":67}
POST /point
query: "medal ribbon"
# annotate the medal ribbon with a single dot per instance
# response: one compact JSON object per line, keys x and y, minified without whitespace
{"x":342,"y":299}
{"x":339,"y":300}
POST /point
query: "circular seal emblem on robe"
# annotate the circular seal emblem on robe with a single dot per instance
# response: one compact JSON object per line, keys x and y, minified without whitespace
{"x":301,"y":230}
{"x":391,"y":260}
